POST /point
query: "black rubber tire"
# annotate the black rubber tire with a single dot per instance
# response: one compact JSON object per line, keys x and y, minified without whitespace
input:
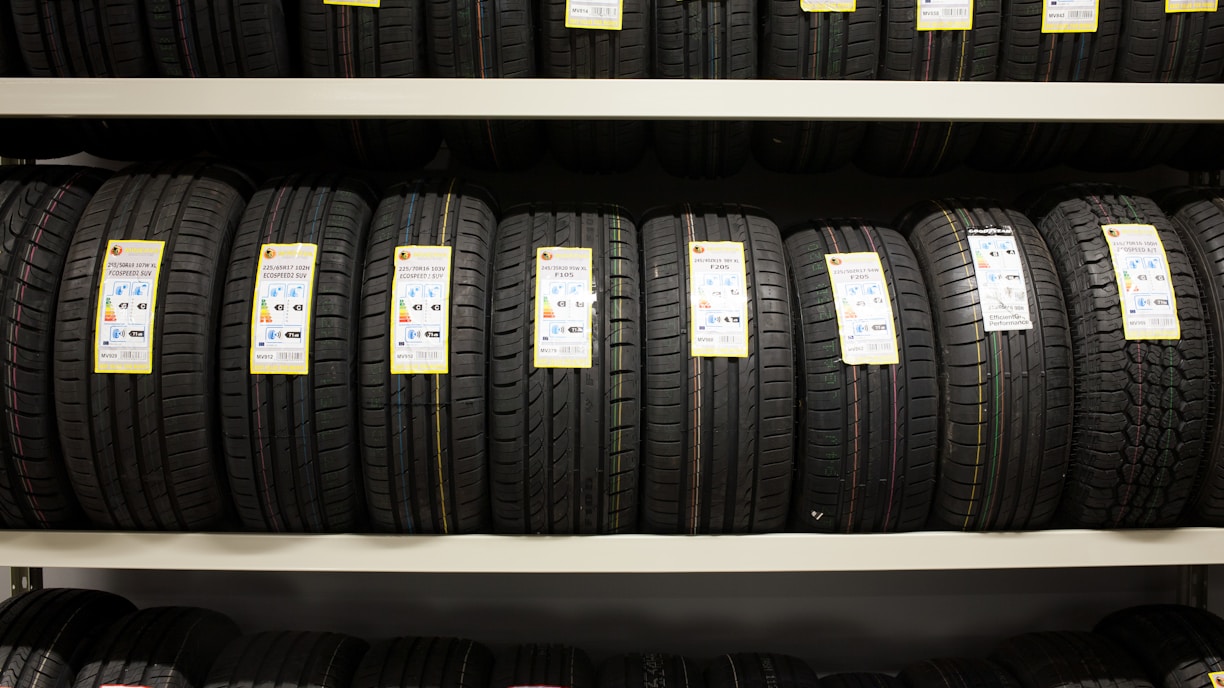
{"x":753,"y":670}
{"x":485,"y":39}
{"x":597,"y":146}
{"x":82,"y":38}
{"x":1029,"y":55}
{"x":1006,"y":396}
{"x":44,"y":634}
{"x":708,"y":39}
{"x":729,"y":472}
{"x":1198,"y":217}
{"x":232,"y":38}
{"x":1069,"y":659}
{"x":359,"y":42}
{"x":958,"y":673}
{"x":291,"y":441}
{"x":39,"y":211}
{"x":158,"y":647}
{"x":564,"y":443}
{"x":911,"y":149}
{"x":287,"y":659}
{"x":860,"y":680}
{"x":543,"y":665}
{"x":10,"y":52}
{"x":141,"y":449}
{"x":425,"y":663}
{"x":423,"y":442}
{"x":867,"y":436}
{"x":649,"y":671}
{"x":1130,"y":467}
{"x":1156,"y":47}
{"x":815,"y":45}
{"x":1178,"y":646}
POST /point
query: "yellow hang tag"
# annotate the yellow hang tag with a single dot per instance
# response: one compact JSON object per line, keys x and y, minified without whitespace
{"x":1173,"y":6}
{"x":563,"y":299}
{"x":718,"y":299}
{"x":1145,"y":287}
{"x":355,"y":3}
{"x":127,"y":304}
{"x":945,"y":15}
{"x":420,"y":310}
{"x":865,"y":314}
{"x":606,"y":15}
{"x":281,"y":309}
{"x":1069,"y":16}
{"x":827,"y":5}
{"x":1217,"y":679}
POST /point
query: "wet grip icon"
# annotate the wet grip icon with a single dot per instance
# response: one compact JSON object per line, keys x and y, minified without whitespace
{"x":405,"y":254}
{"x":269,"y":253}
{"x":116,"y":250}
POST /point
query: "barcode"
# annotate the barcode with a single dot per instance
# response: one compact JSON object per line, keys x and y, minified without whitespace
{"x":1078,"y":14}
{"x":727,"y":339}
{"x":951,"y":12}
{"x":1158,"y":323}
{"x":127,"y":355}
{"x":288,"y":356}
{"x":423,"y":355}
{"x":573,"y":350}
{"x":603,"y":11}
{"x":872,"y":348}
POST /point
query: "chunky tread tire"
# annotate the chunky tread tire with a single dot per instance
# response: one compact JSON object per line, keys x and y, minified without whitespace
{"x":867,"y":436}
{"x":287,"y":659}
{"x":1178,"y":646}
{"x":425,"y":663}
{"x":707,"y":39}
{"x":141,"y":449}
{"x":291,"y":441}
{"x":45,"y":633}
{"x":753,"y":670}
{"x":564,"y":443}
{"x":718,"y":444}
{"x":1006,"y":396}
{"x":649,"y":670}
{"x":1141,"y":407}
{"x":543,"y":665}
{"x":39,"y":211}
{"x":958,"y":673}
{"x":1070,"y":659}
{"x":424,"y":447}
{"x":82,"y":38}
{"x":158,"y":647}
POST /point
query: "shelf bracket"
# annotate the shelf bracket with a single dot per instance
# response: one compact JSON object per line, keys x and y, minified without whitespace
{"x":1210,"y":178}
{"x":1192,"y":585}
{"x":15,"y":161}
{"x":23,"y":579}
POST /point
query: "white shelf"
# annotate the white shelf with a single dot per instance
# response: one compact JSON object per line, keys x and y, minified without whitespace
{"x":612,"y":554}
{"x":610,"y":99}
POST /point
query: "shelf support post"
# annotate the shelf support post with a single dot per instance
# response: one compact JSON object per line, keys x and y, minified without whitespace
{"x":1192,"y":585}
{"x":24,"y":579}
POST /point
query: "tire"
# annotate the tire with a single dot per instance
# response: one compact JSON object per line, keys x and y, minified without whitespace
{"x":485,"y":39}
{"x":1159,"y":47}
{"x":82,"y":38}
{"x":958,"y":673}
{"x":158,"y":647}
{"x":1179,"y":646}
{"x":597,"y":146}
{"x":10,"y":52}
{"x":860,"y":680}
{"x":141,"y":449}
{"x":759,"y":671}
{"x":356,"y":42}
{"x":425,"y":663}
{"x":649,"y":671}
{"x":198,"y":38}
{"x":1069,"y":659}
{"x":1032,"y":56}
{"x":423,"y":442}
{"x":912,"y":149}
{"x":39,"y":211}
{"x":1006,"y":395}
{"x":722,"y":464}
{"x":867,"y":437}
{"x":815,"y":45}
{"x":709,"y":39}
{"x":291,"y":444}
{"x":564,"y":443}
{"x":1134,"y":459}
{"x":1199,"y":221}
{"x":543,"y":665}
{"x":287,"y":659}
{"x":44,"y":634}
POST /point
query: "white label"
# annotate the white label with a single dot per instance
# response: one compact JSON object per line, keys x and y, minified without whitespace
{"x":594,"y":14}
{"x":420,"y":310}
{"x":1002,"y":292}
{"x":864,"y":309}
{"x":563,"y":299}
{"x":718,"y":299}
{"x":1172,"y":6}
{"x":827,"y":5}
{"x":945,"y":15}
{"x":127,"y":301}
{"x":1149,"y":306}
{"x":281,"y":308}
{"x":1069,"y":16}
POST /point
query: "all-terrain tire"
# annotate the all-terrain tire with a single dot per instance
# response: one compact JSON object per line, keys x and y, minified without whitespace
{"x":287,"y":659}
{"x":158,"y":647}
{"x":44,"y":634}
{"x":425,"y":663}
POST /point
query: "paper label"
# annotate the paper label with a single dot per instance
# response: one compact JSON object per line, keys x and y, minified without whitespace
{"x":945,"y":15}
{"x":864,"y":309}
{"x":127,"y":302}
{"x":594,"y":14}
{"x":1069,"y":16}
{"x":1149,"y":306}
{"x":718,"y":299}
{"x":563,"y":297}
{"x":1002,"y":292}
{"x":354,"y":3}
{"x":1217,"y":679}
{"x":281,"y":308}
{"x":420,"y":310}
{"x":827,"y":5}
{"x":1172,"y":6}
